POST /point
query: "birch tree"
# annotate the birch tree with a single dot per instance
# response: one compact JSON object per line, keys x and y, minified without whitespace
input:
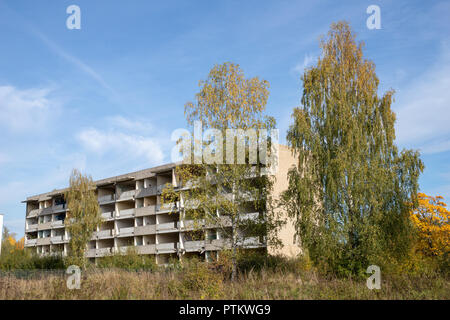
{"x":352,"y":189}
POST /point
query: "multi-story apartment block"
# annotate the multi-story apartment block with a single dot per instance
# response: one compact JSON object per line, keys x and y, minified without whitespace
{"x":133,"y":216}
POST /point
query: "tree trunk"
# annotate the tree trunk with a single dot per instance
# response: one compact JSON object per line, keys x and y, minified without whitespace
{"x":233,"y":250}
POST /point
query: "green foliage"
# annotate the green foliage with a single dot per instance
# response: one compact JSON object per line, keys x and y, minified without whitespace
{"x":27,"y":259}
{"x":198,"y":276}
{"x":83,"y":216}
{"x":229,"y":103}
{"x":129,"y":261}
{"x":352,"y":190}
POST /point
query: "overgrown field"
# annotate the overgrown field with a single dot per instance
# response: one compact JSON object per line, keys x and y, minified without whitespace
{"x":200,"y":282}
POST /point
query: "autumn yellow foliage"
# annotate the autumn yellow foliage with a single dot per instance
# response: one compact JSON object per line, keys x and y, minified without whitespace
{"x":15,"y":245}
{"x":432,"y":220}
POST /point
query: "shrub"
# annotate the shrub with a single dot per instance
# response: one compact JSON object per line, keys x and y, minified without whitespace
{"x":197,"y":276}
{"x":130,"y":261}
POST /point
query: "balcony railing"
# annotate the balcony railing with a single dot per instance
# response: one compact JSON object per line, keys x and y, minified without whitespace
{"x":45,"y":225}
{"x":126,"y":213}
{"x":30,"y":242}
{"x":106,"y":198}
{"x":122,"y":250}
{"x":192,"y":224}
{"x":57,"y":239}
{"x":146,"y":249}
{"x":59,"y":207}
{"x":166,"y":247}
{"x":103,"y":251}
{"x":167,"y":207}
{"x":104,"y":233}
{"x":32,"y":227}
{"x":34,"y":213}
{"x":190,"y":246}
{"x":144,"y":192}
{"x":249,"y":216}
{"x":108,"y":215}
{"x":58,"y":223}
{"x":168,"y":226}
{"x":127,"y":194}
{"x":145,"y":211}
{"x":143,"y":230}
{"x":126,"y":231}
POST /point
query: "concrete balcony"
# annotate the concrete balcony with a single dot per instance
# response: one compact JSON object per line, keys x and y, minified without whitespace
{"x":127,"y":213}
{"x":144,"y":230}
{"x":45,"y":225}
{"x":103,"y":252}
{"x":145,"y":192}
{"x":58,"y":224}
{"x":108,"y":215}
{"x":217,"y":244}
{"x":43,"y":241}
{"x":34,"y":213}
{"x":90,"y":253}
{"x":191,"y":224}
{"x":32,"y":227}
{"x":106,"y":199}
{"x":252,"y":242}
{"x":123,"y":249}
{"x":161,"y":187}
{"x":103,"y":234}
{"x":57,"y":239}
{"x":166,"y":247}
{"x":167,"y":207}
{"x":147,"y":249}
{"x":30,"y":242}
{"x":167,"y":227}
{"x":48,"y":210}
{"x":145,"y":211}
{"x":127,"y":195}
{"x":249,"y":216}
{"x":59,"y":208}
{"x":126,"y":232}
{"x":192,"y":246}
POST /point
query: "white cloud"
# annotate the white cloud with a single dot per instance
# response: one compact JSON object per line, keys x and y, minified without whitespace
{"x":424,"y":109}
{"x":122,"y":144}
{"x":121,"y":122}
{"x":25,"y":110}
{"x":307,"y":61}
{"x":72,"y":59}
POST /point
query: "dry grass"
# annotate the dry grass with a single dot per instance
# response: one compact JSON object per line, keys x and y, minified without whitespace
{"x":204,"y":284}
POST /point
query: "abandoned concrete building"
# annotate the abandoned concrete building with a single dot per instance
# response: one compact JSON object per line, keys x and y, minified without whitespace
{"x":130,"y":205}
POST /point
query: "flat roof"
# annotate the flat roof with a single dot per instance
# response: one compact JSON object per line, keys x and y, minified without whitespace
{"x":137,"y":175}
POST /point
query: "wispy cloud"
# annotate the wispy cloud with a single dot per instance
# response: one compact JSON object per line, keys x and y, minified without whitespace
{"x":72,"y":59}
{"x":424,"y":108}
{"x":307,"y":61}
{"x":25,"y":110}
{"x":122,"y":137}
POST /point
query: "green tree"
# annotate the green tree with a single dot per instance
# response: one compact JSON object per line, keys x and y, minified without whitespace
{"x":221,"y":189}
{"x":83,"y":215}
{"x":352,"y":189}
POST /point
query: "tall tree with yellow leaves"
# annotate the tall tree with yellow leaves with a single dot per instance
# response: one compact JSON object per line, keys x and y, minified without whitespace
{"x":351,"y":190}
{"x":83,"y":215}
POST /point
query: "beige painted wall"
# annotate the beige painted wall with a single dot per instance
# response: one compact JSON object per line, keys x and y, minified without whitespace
{"x":286,"y":234}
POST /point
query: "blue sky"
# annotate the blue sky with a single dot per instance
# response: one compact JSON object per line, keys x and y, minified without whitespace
{"x":106,"y":98}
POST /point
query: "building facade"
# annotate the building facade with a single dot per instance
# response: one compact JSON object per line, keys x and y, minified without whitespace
{"x":133,"y":215}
